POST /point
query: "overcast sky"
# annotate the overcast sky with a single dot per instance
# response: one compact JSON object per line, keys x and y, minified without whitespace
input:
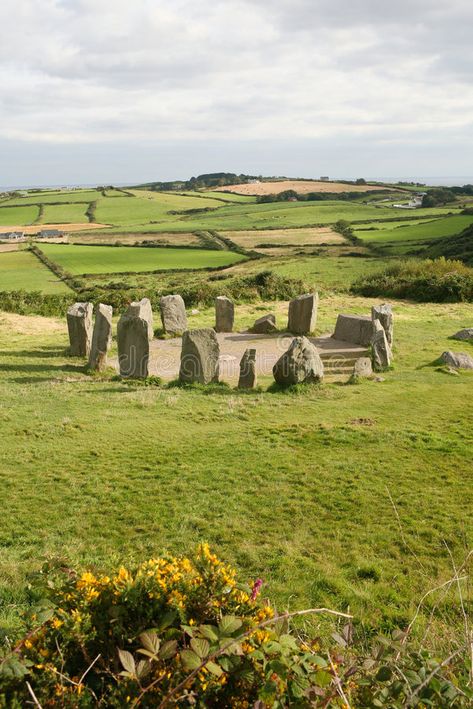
{"x":120,"y":91}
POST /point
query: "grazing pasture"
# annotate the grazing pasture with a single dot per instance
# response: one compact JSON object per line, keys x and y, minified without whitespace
{"x":54,"y":197}
{"x":109,"y":259}
{"x":65,"y":213}
{"x":18,"y":215}
{"x":21,"y":270}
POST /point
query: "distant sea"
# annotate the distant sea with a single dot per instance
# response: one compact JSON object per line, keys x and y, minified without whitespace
{"x":444,"y":181}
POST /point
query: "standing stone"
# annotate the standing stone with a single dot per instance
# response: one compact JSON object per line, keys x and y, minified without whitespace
{"x":101,"y":338}
{"x":79,"y":325}
{"x":133,"y":345}
{"x":465,"y":334}
{"x":173,"y":314}
{"x":247,"y":378}
{"x":224,"y":314}
{"x":300,"y":363}
{"x":458,"y":360}
{"x":302,"y":317}
{"x":199,"y":356}
{"x":358,"y":329}
{"x":143,"y":309}
{"x":384,"y":314}
{"x":265,"y":325}
{"x":363,"y":367}
{"x":380,"y":349}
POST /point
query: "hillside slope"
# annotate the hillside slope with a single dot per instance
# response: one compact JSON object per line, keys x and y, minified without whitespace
{"x":459,"y":247}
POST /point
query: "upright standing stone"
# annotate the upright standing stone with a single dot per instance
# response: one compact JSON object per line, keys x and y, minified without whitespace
{"x":143,"y":309}
{"x":101,"y":338}
{"x":380,"y":349}
{"x":199,"y":356}
{"x":302,"y":317}
{"x":301,"y":363}
{"x":79,"y":325}
{"x":384,"y":314}
{"x":133,"y":346}
{"x":173,"y":314}
{"x":248,"y":378}
{"x":358,"y":329}
{"x":224,"y":314}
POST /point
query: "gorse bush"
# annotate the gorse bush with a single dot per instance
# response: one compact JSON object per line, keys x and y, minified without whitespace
{"x":438,"y":281}
{"x":181,"y":631}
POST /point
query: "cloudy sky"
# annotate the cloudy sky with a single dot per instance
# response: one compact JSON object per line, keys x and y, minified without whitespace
{"x":120,"y":91}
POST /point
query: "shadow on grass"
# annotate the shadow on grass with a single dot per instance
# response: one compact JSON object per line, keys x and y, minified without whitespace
{"x":41,"y":353}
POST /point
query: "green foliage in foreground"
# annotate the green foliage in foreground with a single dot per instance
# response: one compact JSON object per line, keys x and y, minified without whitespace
{"x":181,"y":631}
{"x":454,"y":247}
{"x":437,"y":281}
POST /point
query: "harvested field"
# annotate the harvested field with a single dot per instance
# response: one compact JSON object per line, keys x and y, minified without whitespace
{"x":283,"y":237}
{"x":36,"y":228}
{"x":181,"y":239}
{"x":301,"y":186}
{"x":4,"y":248}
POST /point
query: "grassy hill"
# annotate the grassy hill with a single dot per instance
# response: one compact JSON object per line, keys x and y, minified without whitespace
{"x":459,"y":246}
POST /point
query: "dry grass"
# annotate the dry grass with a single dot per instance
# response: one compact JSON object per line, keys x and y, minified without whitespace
{"x":36,"y":228}
{"x":183,"y":239}
{"x":300,"y":186}
{"x":296,"y":237}
{"x":29,"y":324}
{"x":4,"y":248}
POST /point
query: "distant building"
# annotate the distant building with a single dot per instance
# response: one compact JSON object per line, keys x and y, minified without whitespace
{"x":50,"y":234}
{"x":11,"y":235}
{"x":325,"y":178}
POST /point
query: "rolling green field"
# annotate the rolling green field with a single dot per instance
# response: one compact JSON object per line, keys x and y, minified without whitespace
{"x":13,"y":216}
{"x":292,"y":488}
{"x":417,"y":232}
{"x":53,"y":197}
{"x":64,"y":214}
{"x":108,"y":259}
{"x":21,"y":270}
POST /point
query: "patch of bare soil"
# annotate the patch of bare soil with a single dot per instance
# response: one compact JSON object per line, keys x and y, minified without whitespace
{"x":300,"y":186}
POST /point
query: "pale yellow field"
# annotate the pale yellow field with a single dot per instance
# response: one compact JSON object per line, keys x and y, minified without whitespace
{"x":36,"y":228}
{"x":296,"y":237}
{"x":184,"y":239}
{"x":301,"y":186}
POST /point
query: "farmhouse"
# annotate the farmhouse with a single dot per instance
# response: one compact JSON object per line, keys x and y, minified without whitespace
{"x":11,"y":235}
{"x":50,"y":234}
{"x":324,"y":178}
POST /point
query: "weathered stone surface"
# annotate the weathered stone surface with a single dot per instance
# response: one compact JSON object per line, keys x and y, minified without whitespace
{"x":101,"y":338}
{"x":302,"y":316}
{"x":300,"y":363}
{"x":466,"y":334}
{"x":264,"y":325}
{"x":354,"y":328}
{"x":224,"y":314}
{"x":173,"y":314}
{"x":133,"y":346}
{"x":248,"y":379}
{"x":79,"y":325}
{"x":363,"y":367}
{"x":459,"y":360}
{"x":199,"y":356}
{"x":142,"y":309}
{"x":380,"y":349}
{"x":384,"y":314}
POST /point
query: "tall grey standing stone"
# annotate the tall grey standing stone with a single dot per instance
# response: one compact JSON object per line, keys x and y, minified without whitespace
{"x":384,"y":314}
{"x":300,"y":363}
{"x":143,"y":309}
{"x":302,"y":316}
{"x":133,"y":346}
{"x":358,"y":329}
{"x":224,"y":314}
{"x":248,"y":378}
{"x":101,"y":338}
{"x":458,"y":360}
{"x":380,"y":349}
{"x":199,"y":356}
{"x":173,"y":314}
{"x":79,"y":325}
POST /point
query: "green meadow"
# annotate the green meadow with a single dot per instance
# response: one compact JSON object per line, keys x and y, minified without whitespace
{"x":416,"y":232}
{"x":14,"y":216}
{"x":21,"y":270}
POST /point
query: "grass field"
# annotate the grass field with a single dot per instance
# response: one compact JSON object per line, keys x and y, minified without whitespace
{"x":9,"y":216}
{"x":403,"y":234}
{"x":108,"y":259}
{"x":21,"y":270}
{"x":62,"y":214}
{"x":294,"y":489}
{"x":54,"y":197}
{"x":294,"y":237}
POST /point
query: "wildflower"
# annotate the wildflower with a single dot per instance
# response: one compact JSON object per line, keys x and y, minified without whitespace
{"x":256,"y":589}
{"x":57,"y":623}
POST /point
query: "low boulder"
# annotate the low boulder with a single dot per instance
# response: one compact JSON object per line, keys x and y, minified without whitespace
{"x":224,"y":314}
{"x":357,"y":329}
{"x":458,"y":360}
{"x":300,"y":363}
{"x":363,"y":367}
{"x":265,"y":325}
{"x":133,"y":346}
{"x":465,"y":334}
{"x":199,"y":356}
{"x":79,"y":325}
{"x":173,"y":314}
{"x":302,"y":315}
{"x":380,"y":349}
{"x":248,"y":379}
{"x":143,"y":309}
{"x":384,"y":314}
{"x":101,"y":337}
